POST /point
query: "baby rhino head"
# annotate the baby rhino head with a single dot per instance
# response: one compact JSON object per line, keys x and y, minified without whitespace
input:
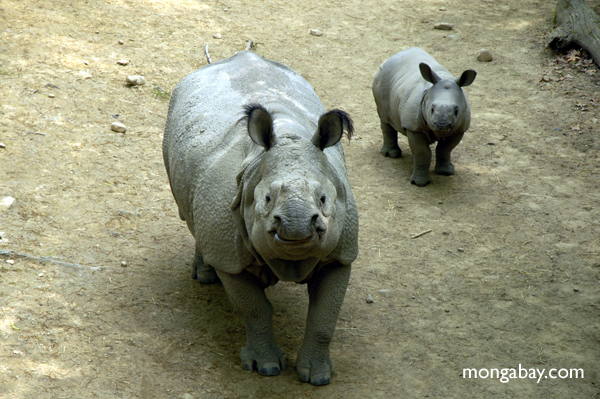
{"x":294,"y":205}
{"x":445,"y":108}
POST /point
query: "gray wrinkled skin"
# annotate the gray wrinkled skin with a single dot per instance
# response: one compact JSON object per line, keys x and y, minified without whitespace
{"x":258,"y":174}
{"x":419,"y":98}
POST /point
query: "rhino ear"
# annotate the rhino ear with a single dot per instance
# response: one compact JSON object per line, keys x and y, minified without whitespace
{"x":466,"y":78}
{"x":260,"y":125}
{"x":428,"y":74}
{"x":331,"y":128}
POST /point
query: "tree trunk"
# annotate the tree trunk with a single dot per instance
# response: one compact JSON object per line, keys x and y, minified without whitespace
{"x":577,"y":24}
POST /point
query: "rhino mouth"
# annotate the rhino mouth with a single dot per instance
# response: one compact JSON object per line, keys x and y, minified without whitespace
{"x":305,"y":241}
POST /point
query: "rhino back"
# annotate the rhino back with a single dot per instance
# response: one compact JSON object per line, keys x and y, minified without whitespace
{"x":205,"y":147}
{"x":398,"y":88}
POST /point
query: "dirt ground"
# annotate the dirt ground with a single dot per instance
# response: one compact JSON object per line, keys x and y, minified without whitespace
{"x":509,"y":274}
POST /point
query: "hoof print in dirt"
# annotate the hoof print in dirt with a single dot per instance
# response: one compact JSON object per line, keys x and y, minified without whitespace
{"x":419,"y":98}
{"x":257,"y":170}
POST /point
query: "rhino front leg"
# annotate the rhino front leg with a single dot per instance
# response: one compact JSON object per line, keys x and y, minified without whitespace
{"x":443,"y":164}
{"x":419,"y":146}
{"x":326,"y":291}
{"x":390,"y":142}
{"x":247,"y":294}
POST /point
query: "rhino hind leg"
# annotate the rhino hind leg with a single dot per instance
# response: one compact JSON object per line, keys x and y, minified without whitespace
{"x":247,"y":294}
{"x":202,"y":272}
{"x":390,"y":142}
{"x":443,"y":162}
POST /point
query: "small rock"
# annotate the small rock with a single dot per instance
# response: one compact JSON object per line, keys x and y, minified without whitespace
{"x":443,"y":26}
{"x":121,"y":42}
{"x":10,"y":261}
{"x":370,"y":299}
{"x":316,"y":32}
{"x":484,"y":56}
{"x":118,"y":127}
{"x":576,"y":289}
{"x":217,"y":35}
{"x":6,"y":203}
{"x":51,"y":95}
{"x":442,"y":8}
{"x":122,"y":62}
{"x":2,"y":145}
{"x":461,"y":250}
{"x":41,"y":275}
{"x":453,"y":37}
{"x":123,"y":263}
{"x":86,"y":62}
{"x":135,"y":80}
{"x":85,"y":75}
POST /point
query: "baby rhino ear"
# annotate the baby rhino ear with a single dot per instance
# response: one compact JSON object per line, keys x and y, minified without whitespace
{"x":466,"y":78}
{"x":331,"y":128}
{"x":428,"y":74}
{"x":260,"y":125}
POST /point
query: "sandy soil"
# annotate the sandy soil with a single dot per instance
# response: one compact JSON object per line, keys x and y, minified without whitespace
{"x":509,"y":274}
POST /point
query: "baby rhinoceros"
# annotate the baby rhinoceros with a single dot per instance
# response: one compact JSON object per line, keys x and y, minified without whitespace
{"x":419,"y":98}
{"x":258,"y":173}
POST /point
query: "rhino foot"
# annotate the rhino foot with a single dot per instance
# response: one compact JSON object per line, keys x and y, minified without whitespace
{"x":267,"y":362}
{"x":313,"y":371}
{"x":392,"y":152}
{"x":444,"y":169}
{"x":202,"y":272}
{"x":420,"y":181}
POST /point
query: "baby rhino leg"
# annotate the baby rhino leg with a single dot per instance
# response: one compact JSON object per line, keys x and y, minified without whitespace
{"x":443,"y":163}
{"x":390,"y":142}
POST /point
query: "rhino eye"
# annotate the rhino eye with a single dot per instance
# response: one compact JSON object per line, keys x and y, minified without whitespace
{"x":432,"y":110}
{"x":268,"y":198}
{"x":323,"y":199}
{"x":456,"y":111}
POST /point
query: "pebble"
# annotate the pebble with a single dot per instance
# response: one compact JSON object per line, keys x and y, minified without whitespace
{"x":316,"y":32}
{"x":370,"y":299}
{"x":41,"y":275}
{"x":576,"y":289}
{"x":484,"y":56}
{"x":122,"y":62}
{"x":85,"y":75}
{"x":123,"y":263}
{"x":51,"y":95}
{"x":443,"y":26}
{"x":118,"y":127}
{"x":217,"y":35}
{"x":2,"y":145}
{"x":453,"y":37}
{"x":10,"y":261}
{"x":121,"y":42}
{"x":135,"y":80}
{"x":442,"y":8}
{"x":6,"y":203}
{"x":461,"y":250}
